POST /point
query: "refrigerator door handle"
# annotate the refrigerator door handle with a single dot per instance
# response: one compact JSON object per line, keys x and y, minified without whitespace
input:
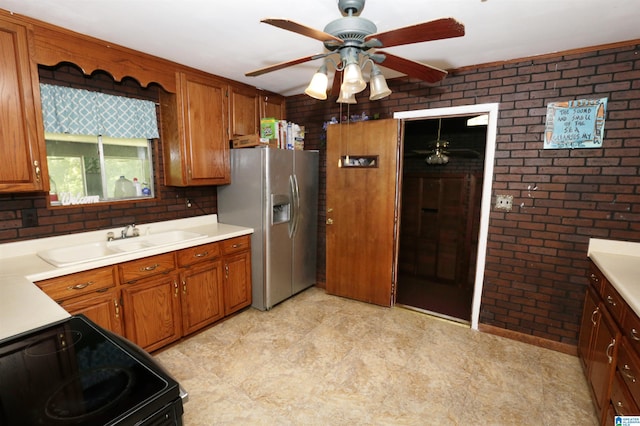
{"x":295,"y":205}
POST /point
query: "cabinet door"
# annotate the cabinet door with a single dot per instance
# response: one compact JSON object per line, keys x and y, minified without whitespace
{"x":21,"y":139}
{"x":604,"y":346}
{"x":152,"y":311}
{"x":587,"y":327}
{"x":237,"y":283}
{"x":102,"y":308}
{"x":206,"y":135}
{"x":202,"y":298}
{"x":195,"y":132}
{"x":244,"y":112}
{"x":272,"y":106}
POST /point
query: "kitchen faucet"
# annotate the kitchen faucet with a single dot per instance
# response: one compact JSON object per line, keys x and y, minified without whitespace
{"x":135,"y":233}
{"x":123,"y":234}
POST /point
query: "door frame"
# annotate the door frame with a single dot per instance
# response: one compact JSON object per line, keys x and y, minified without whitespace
{"x":491,"y":109}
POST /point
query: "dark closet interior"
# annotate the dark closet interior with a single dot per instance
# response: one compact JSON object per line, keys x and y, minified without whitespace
{"x":440,"y":216}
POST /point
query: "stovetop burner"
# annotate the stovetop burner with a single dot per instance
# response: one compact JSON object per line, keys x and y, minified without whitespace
{"x":74,"y":373}
{"x":99,"y":388}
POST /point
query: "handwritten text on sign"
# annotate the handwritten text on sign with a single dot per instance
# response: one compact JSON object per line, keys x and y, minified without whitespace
{"x":575,"y":124}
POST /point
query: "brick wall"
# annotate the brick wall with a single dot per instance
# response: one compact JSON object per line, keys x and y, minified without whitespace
{"x":169,"y":203}
{"x":536,"y":259}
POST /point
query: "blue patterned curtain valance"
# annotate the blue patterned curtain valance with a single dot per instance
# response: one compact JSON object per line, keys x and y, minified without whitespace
{"x":82,"y":112}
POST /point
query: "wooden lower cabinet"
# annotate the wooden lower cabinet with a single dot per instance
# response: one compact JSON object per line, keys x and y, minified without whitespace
{"x":202,"y":296}
{"x":156,"y":300}
{"x":152,"y":311}
{"x":103,"y":308}
{"x":237,"y":282}
{"x":93,"y":293}
{"x":609,"y":350}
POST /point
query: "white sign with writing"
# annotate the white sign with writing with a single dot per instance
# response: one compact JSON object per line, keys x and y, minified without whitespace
{"x":575,"y":124}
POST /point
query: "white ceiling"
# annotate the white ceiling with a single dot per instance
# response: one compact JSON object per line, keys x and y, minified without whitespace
{"x":226,"y":38}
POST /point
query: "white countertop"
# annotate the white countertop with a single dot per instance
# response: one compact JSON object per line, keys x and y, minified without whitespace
{"x":619,"y":261}
{"x":23,"y":306}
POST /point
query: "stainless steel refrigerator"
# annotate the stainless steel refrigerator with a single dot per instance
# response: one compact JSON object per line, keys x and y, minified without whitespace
{"x":275,"y":191}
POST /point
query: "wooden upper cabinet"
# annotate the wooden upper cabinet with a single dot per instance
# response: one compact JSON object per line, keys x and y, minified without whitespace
{"x":244,"y":111}
{"x":273,"y":106}
{"x":195,"y":131}
{"x":21,"y":137}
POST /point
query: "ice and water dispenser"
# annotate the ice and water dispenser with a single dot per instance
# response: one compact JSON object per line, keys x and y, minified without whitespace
{"x":280,"y":208}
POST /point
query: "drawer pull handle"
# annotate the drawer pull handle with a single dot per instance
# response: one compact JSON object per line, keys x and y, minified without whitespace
{"x":611,"y":301}
{"x":117,"y":306}
{"x":594,"y":278}
{"x":175,"y":286}
{"x":608,"y":350}
{"x":149,"y":268}
{"x":626,"y":370}
{"x":634,"y":334}
{"x":593,"y":316}
{"x":80,"y":286}
{"x":236,"y":246}
{"x":206,"y":253}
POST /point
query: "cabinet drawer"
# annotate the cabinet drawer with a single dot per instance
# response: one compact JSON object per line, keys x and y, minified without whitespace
{"x":68,"y":286}
{"x":147,"y":267}
{"x":621,"y":400}
{"x":234,"y":245}
{"x":596,"y":278}
{"x":614,"y":302}
{"x":197,"y":254}
{"x":631,"y":329}
{"x":629,"y":368}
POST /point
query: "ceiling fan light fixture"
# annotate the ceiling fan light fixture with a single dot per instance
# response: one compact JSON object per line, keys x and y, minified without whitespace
{"x":437,"y":158}
{"x":346,"y":98}
{"x":352,"y":81}
{"x":317,"y":88}
{"x":378,"y":85}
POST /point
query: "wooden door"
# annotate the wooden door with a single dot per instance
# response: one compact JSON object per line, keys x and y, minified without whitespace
{"x":362,"y":210}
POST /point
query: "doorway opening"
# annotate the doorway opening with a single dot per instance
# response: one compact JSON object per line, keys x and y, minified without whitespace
{"x":442,"y":172}
{"x":447,"y":171}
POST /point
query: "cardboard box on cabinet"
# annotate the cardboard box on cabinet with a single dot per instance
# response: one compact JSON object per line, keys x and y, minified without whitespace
{"x":249,"y":141}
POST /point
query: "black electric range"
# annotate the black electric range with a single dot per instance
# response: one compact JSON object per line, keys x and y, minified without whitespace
{"x":75,"y":373}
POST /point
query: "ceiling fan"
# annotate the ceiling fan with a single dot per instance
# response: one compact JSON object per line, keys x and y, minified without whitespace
{"x":439,"y":151}
{"x":355,"y":40}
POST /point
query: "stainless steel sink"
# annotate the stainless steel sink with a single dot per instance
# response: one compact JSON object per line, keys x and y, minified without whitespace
{"x":88,"y":252}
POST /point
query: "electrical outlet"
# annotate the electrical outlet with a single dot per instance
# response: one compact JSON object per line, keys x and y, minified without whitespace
{"x":29,"y":218}
{"x":504,"y":202}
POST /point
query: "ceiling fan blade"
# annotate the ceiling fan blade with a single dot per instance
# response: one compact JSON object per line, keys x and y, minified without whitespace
{"x":295,"y":27}
{"x":427,"y":31}
{"x":413,"y":69}
{"x":286,"y":64}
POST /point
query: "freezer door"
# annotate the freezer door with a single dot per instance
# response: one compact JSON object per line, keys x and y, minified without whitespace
{"x":306,"y":220}
{"x":278,"y":247}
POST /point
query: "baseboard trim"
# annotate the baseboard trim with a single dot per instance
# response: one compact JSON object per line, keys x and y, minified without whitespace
{"x":527,"y":338}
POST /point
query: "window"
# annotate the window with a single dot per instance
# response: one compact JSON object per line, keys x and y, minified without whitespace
{"x":91,"y":169}
{"x":98,"y":145}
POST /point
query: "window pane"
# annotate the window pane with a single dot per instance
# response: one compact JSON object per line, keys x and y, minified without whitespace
{"x":86,"y":169}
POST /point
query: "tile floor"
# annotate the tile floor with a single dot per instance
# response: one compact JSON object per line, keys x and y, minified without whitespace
{"x":317,"y":359}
